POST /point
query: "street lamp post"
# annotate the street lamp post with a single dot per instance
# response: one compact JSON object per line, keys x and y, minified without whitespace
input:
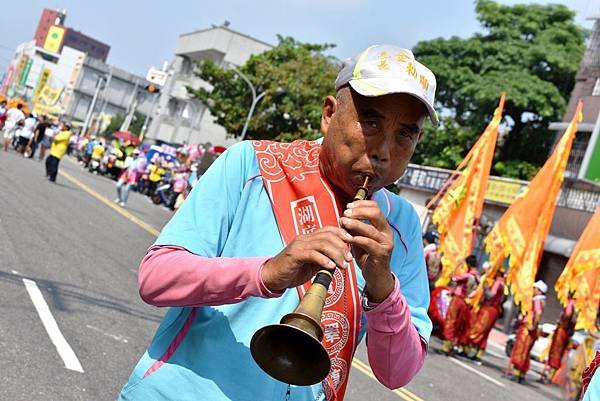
{"x":255,"y":100}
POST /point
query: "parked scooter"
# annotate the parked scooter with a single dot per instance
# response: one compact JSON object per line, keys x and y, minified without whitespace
{"x":163,"y":193}
{"x":94,"y":166}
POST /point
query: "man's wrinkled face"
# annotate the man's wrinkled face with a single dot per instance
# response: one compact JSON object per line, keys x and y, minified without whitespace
{"x":368,"y":135}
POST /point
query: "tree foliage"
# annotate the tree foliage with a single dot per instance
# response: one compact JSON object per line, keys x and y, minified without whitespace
{"x":300,"y":70}
{"x":530,"y":51}
{"x":117,"y":120}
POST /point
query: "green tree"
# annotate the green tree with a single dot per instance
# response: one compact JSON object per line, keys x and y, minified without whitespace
{"x":530,"y":51}
{"x":117,"y":120}
{"x":302,"y":70}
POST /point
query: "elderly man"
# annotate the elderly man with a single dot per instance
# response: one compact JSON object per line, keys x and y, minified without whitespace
{"x":266,"y":217}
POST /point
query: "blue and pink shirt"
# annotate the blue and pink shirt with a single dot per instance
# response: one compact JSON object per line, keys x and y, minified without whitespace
{"x":206,"y":265}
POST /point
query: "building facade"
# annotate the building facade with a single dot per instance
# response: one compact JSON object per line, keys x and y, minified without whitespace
{"x":52,"y":22}
{"x":179,"y":119}
{"x":63,"y":84}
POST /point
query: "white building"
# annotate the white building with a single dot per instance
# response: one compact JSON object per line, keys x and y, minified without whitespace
{"x":178,"y":118}
{"x":73,"y":77}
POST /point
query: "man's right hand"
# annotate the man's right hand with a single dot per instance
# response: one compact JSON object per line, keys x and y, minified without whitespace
{"x":326,"y":248}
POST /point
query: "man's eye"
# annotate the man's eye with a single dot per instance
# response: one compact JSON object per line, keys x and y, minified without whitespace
{"x":371,"y":123}
{"x":408,"y":135}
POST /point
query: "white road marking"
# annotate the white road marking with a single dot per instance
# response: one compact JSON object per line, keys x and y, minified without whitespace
{"x":62,"y":346}
{"x":15,"y":272}
{"x":470,"y":369}
{"x":117,"y":337}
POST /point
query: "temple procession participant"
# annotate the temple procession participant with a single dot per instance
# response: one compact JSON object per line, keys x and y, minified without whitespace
{"x":433,"y":259}
{"x":266,"y":217}
{"x":489,"y":311}
{"x":456,"y":325}
{"x":57,"y":151}
{"x":527,"y":333}
{"x":565,"y":327}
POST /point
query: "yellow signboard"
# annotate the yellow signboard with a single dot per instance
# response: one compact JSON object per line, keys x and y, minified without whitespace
{"x":49,"y":95}
{"x":502,"y":191}
{"x":49,"y":111}
{"x":54,"y":39}
{"x":43,"y":80}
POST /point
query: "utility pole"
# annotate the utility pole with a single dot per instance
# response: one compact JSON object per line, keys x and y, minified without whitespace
{"x":92,"y":105}
{"x":131,"y":110}
{"x":155,"y":97}
{"x":105,"y":91}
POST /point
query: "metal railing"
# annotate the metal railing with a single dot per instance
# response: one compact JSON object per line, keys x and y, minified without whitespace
{"x":431,"y":179}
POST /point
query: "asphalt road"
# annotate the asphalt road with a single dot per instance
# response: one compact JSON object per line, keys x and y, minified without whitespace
{"x":82,"y":253}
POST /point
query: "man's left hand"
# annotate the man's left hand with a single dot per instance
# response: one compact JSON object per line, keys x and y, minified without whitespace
{"x":372,"y":246}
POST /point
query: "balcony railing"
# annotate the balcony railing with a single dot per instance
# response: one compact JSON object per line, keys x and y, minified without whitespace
{"x":500,"y":190}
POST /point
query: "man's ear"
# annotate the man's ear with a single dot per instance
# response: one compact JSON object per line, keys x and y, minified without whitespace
{"x":330,"y":106}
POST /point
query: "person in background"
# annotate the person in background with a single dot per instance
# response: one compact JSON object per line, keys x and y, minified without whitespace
{"x":565,"y":326}
{"x":47,"y":136}
{"x":433,"y":259}
{"x":89,"y":149}
{"x":57,"y":151}
{"x":3,"y":110}
{"x":527,"y":333}
{"x":26,"y":135}
{"x":130,"y":176}
{"x":484,"y":319}
{"x":179,"y":186}
{"x":38,"y":135}
{"x":456,"y":325}
{"x":155,"y":173}
{"x":14,"y":119}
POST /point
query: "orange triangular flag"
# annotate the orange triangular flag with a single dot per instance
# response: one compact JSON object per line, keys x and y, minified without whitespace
{"x":521,"y":231}
{"x":582,"y":275}
{"x":458,"y":211}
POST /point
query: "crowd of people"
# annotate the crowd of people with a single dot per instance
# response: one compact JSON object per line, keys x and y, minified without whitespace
{"x":465,"y":312}
{"x":165,"y":176}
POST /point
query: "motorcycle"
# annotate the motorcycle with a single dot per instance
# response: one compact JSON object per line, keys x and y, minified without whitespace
{"x":163,"y":193}
{"x":94,"y":166}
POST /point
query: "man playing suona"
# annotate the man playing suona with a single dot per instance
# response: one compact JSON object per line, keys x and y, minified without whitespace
{"x":266,"y":217}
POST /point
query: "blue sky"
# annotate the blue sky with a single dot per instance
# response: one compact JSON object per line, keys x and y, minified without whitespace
{"x":143,"y":33}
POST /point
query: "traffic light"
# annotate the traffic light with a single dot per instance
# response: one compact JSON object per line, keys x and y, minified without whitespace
{"x":152,"y":88}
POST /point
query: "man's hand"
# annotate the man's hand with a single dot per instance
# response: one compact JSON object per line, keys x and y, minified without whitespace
{"x":372,"y":246}
{"x":326,"y":248}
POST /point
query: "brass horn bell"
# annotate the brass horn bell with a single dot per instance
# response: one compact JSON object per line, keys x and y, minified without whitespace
{"x":291,"y":351}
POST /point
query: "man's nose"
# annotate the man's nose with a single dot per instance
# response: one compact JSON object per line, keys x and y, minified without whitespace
{"x":379,"y":149}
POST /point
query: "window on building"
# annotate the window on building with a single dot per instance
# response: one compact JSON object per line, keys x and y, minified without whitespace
{"x":596,"y":91}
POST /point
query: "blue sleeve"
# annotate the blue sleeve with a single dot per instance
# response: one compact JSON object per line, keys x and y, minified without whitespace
{"x":593,"y":391}
{"x":202,"y":223}
{"x":409,"y":265}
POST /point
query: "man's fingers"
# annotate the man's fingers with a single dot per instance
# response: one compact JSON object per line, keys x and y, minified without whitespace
{"x":357,"y":227}
{"x":367,"y":210}
{"x":329,"y":244}
{"x":338,"y":231}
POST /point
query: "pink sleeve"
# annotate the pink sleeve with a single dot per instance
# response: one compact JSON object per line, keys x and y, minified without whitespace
{"x":496,"y":287}
{"x":173,"y":276}
{"x":395,"y":348}
{"x":538,"y":306}
{"x":461,"y":277}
